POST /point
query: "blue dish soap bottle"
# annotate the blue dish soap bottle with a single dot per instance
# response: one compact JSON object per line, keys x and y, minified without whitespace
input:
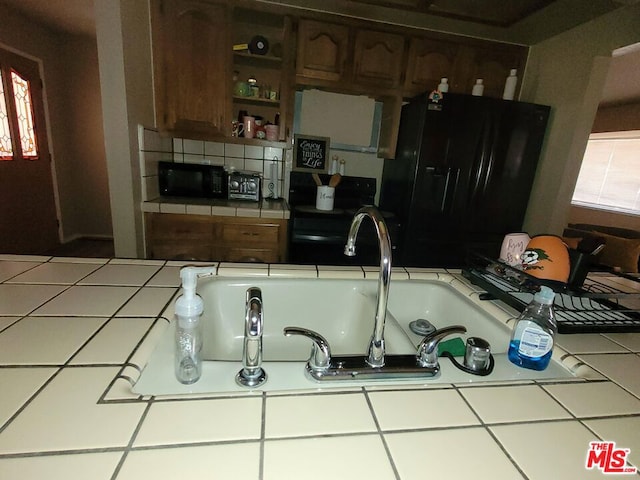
{"x":532,"y":339}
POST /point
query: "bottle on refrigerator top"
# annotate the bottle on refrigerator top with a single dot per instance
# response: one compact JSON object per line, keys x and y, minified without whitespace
{"x":532,"y":338}
{"x":444,"y":85}
{"x":510,"y":85}
{"x":478,"y":88}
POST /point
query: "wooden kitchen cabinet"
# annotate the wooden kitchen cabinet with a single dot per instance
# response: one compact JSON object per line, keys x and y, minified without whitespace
{"x":191,"y":64}
{"x":378,"y":58}
{"x":322,"y":50}
{"x":490,"y":62}
{"x":179,"y":237}
{"x":428,"y":62}
{"x":211,"y":238}
{"x":349,"y":58}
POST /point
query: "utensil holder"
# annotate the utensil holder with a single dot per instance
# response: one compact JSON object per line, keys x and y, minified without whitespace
{"x":324,"y":198}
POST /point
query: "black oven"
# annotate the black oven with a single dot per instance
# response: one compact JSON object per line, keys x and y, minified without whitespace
{"x":192,"y":180}
{"x":318,"y":237}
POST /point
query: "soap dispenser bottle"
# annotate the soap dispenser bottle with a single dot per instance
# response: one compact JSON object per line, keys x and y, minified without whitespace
{"x":531,"y":342}
{"x":188,"y":340}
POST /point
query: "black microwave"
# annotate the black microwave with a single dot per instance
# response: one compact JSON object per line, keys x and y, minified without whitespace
{"x":192,"y":180}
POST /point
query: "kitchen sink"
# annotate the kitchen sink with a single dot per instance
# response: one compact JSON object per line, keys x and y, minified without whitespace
{"x":343,"y":312}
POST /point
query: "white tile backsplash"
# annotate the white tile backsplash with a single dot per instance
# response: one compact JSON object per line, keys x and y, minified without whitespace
{"x":254,"y":165}
{"x":232,"y":156}
{"x":233,"y":150}
{"x":195,"y":147}
{"x":214,"y":148}
{"x":253,"y":152}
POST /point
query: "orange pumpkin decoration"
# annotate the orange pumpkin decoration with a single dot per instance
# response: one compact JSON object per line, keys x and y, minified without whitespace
{"x":546,"y":257}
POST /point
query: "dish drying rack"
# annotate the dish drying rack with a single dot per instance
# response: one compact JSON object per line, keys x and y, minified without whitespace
{"x":607,"y":302}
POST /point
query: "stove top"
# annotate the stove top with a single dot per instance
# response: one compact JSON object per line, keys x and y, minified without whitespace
{"x":351,"y":192}
{"x":318,"y":236}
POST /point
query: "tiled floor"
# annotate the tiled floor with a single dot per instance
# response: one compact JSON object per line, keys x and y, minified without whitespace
{"x":67,"y":412}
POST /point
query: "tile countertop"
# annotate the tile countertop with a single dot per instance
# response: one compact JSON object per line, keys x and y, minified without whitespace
{"x":265,"y":208}
{"x":73,"y":330}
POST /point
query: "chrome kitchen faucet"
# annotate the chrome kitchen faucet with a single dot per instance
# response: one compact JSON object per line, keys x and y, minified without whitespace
{"x":252,"y":373}
{"x":375,"y":356}
{"x":424,"y":363}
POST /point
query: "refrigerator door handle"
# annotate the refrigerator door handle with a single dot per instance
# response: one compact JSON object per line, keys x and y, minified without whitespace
{"x":482,"y":166}
{"x":450,"y":186}
{"x":448,"y":178}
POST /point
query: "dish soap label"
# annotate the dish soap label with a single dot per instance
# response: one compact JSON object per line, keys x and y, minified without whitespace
{"x":534,"y":342}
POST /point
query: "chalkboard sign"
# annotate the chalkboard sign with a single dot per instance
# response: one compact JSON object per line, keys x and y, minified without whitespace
{"x":311,"y":154}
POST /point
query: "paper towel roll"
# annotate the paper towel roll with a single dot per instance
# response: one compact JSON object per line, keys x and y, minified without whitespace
{"x":273,"y":182}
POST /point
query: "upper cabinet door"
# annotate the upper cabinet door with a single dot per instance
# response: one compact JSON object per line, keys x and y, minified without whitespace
{"x":322,"y":50}
{"x":194,"y":57}
{"x":492,"y":64}
{"x":378,"y":58}
{"x":429,"y":61}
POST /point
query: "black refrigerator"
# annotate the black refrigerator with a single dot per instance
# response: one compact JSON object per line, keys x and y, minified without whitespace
{"x":461,"y":177}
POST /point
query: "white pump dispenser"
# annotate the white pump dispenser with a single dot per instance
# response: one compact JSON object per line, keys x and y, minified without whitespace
{"x":188,"y":308}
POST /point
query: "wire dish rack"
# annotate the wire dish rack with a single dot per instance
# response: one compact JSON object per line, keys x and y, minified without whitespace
{"x":607,"y":302}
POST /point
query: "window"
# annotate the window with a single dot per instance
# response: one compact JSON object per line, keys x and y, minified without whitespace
{"x":609,"y":178}
{"x":17,"y":126}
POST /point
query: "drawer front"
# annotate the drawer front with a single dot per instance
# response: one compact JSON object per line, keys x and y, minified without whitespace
{"x":180,"y":251}
{"x":254,"y":255}
{"x":184,"y":227}
{"x":243,"y":235}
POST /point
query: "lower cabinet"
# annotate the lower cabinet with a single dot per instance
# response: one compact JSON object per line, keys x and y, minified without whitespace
{"x":207,"y":238}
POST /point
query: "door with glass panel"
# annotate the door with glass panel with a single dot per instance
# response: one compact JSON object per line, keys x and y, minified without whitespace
{"x":28,"y":222}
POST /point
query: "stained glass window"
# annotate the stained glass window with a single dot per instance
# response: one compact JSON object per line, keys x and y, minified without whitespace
{"x":24,"y":111}
{"x":6,"y":149}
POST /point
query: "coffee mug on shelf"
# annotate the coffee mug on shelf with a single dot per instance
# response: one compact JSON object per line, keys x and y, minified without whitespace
{"x":272,"y":132}
{"x":512,"y":247}
{"x":547,"y":258}
{"x":237,"y":129}
{"x":249,"y":126}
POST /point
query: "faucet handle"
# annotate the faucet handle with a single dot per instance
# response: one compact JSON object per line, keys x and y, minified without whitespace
{"x":427,"y":355}
{"x":320,"y":357}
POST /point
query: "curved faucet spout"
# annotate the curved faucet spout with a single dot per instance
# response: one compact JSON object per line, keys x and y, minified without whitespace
{"x":376,"y":348}
{"x":252,"y":373}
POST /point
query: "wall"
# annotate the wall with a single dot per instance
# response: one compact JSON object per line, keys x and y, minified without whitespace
{"x":88,"y":197}
{"x":72,"y":92}
{"x":617,"y":118}
{"x":124,"y":54}
{"x":601,"y":217}
{"x":568,"y":72}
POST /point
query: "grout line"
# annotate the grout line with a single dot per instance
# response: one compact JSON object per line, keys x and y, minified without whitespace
{"x":27,"y":402}
{"x":263,"y":423}
{"x":129,"y":446}
{"x":381,"y":434}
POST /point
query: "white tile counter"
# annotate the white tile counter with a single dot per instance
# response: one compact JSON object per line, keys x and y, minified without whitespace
{"x":72,"y":331}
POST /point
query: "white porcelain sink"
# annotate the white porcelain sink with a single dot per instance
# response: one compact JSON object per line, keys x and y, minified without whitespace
{"x":340,"y":310}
